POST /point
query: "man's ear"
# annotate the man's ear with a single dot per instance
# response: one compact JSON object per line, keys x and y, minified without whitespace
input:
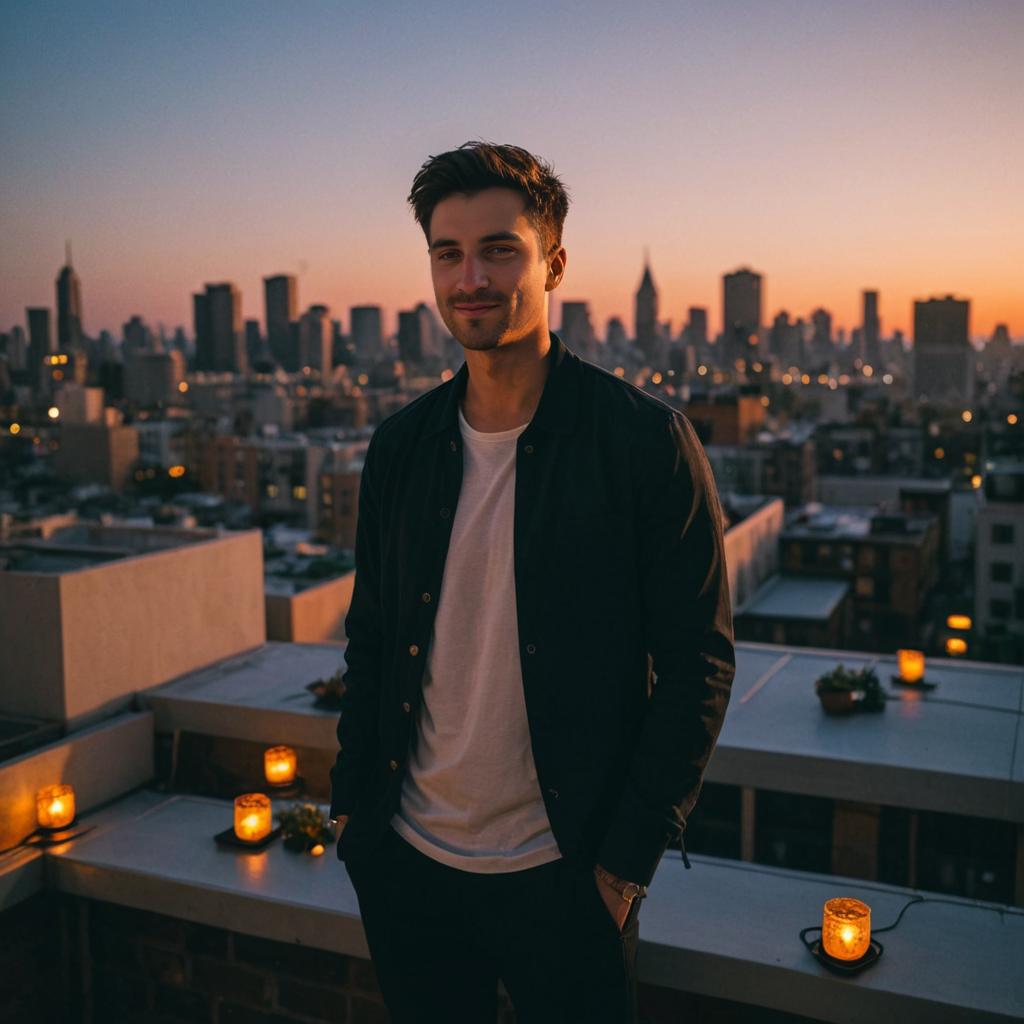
{"x":556,"y":269}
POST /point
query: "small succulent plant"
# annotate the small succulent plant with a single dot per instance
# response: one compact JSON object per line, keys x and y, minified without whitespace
{"x":304,"y":828}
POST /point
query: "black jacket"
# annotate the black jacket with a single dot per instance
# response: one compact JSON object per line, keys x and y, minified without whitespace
{"x":619,"y":567}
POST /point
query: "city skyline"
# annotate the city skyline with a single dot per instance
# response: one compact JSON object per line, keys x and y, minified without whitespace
{"x":390,"y":318}
{"x":832,"y":150}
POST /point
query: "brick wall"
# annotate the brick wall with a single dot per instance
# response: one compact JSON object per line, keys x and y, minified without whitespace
{"x":147,"y":967}
{"x":65,"y":960}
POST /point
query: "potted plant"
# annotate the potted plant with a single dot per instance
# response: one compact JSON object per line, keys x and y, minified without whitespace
{"x":303,"y":828}
{"x":328,"y":692}
{"x":843,"y":690}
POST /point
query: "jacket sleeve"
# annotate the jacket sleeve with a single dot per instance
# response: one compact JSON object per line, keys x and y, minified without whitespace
{"x":687,"y":619}
{"x":357,"y":725}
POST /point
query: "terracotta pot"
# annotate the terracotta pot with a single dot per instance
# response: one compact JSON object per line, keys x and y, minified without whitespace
{"x":839,"y":702}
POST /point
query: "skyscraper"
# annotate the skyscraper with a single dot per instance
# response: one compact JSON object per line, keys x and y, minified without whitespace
{"x":870,"y":331}
{"x":821,"y":339}
{"x":646,"y":317}
{"x":220,"y":343}
{"x":576,"y":330}
{"x":69,"y":307}
{"x":281,"y":307}
{"x":367,"y":331}
{"x":741,"y":312}
{"x":943,"y":357}
{"x":418,"y":340}
{"x":785,"y":340}
{"x":40,"y":341}
{"x":316,"y":340}
{"x":697,"y":327}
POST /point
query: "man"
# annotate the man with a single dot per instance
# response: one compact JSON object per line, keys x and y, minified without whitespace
{"x":534,"y":536}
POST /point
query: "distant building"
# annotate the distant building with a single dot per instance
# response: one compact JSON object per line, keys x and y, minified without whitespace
{"x":727,"y":418}
{"x":871,"y":330}
{"x":576,"y":330}
{"x":16,"y":348}
{"x":220,"y":343}
{"x":281,"y":307}
{"x":645,"y":318}
{"x":336,"y":497}
{"x":782,"y":465}
{"x":69,"y":306}
{"x":797,"y":611}
{"x":821,"y":335}
{"x":943,"y":356}
{"x":785,"y":340}
{"x":137,"y":336}
{"x":892,"y":560}
{"x":78,"y":404}
{"x":98,"y":453}
{"x":615,"y":337}
{"x":153,"y":378}
{"x":316,"y":340}
{"x":40,"y":342}
{"x":418,"y":336}
{"x":741,"y":312}
{"x":697,"y":326}
{"x":253,"y":342}
{"x":367,"y":332}
{"x":999,"y":558}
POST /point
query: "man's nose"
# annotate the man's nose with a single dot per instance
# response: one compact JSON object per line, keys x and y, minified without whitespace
{"x":473,"y":276}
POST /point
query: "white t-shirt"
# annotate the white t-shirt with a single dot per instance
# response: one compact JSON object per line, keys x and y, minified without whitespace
{"x":471,"y":798}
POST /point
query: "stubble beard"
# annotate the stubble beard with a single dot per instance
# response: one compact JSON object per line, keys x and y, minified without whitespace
{"x":472,"y":333}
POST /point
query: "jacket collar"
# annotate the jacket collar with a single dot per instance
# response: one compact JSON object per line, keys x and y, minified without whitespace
{"x":555,"y":413}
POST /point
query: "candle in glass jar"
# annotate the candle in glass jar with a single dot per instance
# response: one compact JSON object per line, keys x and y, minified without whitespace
{"x":846,"y":928}
{"x":279,"y":765}
{"x":911,"y":665}
{"x":55,"y":806}
{"x":252,"y":817}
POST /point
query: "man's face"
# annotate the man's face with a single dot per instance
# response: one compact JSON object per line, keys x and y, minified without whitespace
{"x":488,"y":268}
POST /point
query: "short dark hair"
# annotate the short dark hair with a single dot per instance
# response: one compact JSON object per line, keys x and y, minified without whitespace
{"x":477,"y":165}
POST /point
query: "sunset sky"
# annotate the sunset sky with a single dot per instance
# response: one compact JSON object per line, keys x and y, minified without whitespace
{"x":830,"y":146}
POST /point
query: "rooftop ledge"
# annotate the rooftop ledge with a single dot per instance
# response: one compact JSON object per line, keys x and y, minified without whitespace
{"x":957,"y":749}
{"x":726,"y":929}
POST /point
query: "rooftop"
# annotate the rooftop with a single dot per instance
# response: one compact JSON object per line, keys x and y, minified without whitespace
{"x":83,"y":545}
{"x":816,"y":521}
{"x":796,"y":597}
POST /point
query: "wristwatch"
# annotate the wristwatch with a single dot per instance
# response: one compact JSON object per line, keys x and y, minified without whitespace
{"x":629,"y":891}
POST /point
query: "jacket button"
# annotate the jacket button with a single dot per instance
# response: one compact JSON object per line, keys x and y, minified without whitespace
{"x":453,"y":446}
{"x":406,"y":707}
{"x":445,"y":513}
{"x":528,"y":449}
{"x":413,"y":650}
{"x":530,"y":649}
{"x":393,"y":765}
{"x":554,"y":793}
{"x":425,"y":598}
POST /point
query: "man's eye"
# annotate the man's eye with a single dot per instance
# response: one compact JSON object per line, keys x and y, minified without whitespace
{"x":501,"y":249}
{"x":445,"y":255}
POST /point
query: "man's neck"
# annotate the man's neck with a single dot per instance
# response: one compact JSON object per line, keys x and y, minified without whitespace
{"x":505,"y":383}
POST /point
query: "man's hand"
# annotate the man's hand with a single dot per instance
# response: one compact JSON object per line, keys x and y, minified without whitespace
{"x":616,"y":905}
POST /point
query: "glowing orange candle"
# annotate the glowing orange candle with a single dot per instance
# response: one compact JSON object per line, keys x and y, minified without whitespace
{"x":956,"y":645}
{"x":846,"y":928}
{"x":55,"y":806}
{"x":958,"y":621}
{"x":279,"y":765}
{"x":252,"y":817}
{"x":911,"y":665}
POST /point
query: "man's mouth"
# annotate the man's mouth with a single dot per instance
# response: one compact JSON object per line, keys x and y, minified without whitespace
{"x":471,"y":310}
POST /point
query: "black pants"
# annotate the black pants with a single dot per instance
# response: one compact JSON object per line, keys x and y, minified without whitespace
{"x":440,"y":939}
